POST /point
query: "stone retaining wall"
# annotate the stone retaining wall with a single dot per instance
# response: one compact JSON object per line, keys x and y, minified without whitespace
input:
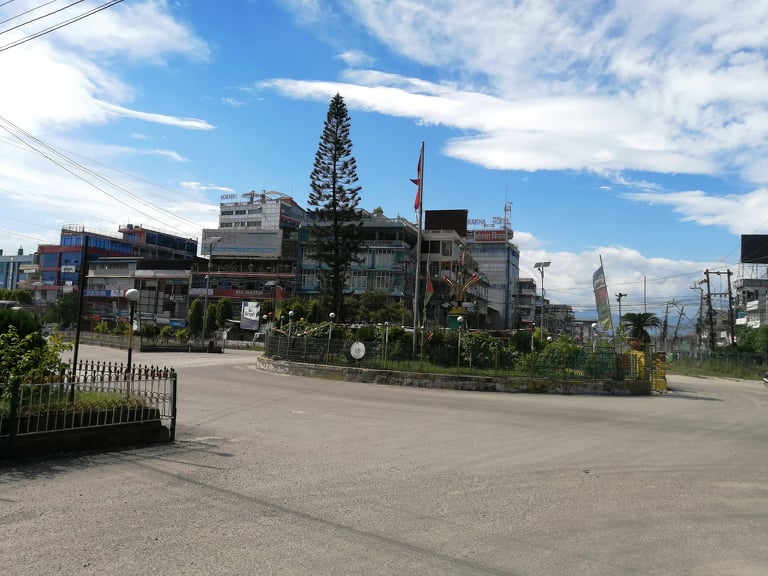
{"x":458,"y":382}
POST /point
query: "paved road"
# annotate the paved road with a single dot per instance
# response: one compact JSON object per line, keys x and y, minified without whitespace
{"x":282,"y":475}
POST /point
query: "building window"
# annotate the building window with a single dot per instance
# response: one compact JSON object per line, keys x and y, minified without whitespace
{"x":309,"y":280}
{"x":382,"y":281}
{"x":358,"y":280}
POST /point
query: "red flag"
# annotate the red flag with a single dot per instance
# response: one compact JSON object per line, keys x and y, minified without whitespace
{"x":279,"y":293}
{"x":430,"y":290}
{"x":419,"y":180}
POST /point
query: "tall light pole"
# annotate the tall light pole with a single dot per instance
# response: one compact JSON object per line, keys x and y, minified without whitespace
{"x":331,"y":316}
{"x":460,"y":321}
{"x":132,"y":296}
{"x":210,"y":242}
{"x":540,"y":266}
{"x":386,"y":343}
{"x":290,"y":325}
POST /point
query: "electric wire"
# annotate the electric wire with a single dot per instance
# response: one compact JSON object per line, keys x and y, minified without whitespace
{"x":54,"y":153}
{"x":32,"y":10}
{"x":59,"y":25}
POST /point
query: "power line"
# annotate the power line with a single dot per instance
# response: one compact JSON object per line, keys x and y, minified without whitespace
{"x":64,"y":159}
{"x":32,"y":10}
{"x":60,"y":25}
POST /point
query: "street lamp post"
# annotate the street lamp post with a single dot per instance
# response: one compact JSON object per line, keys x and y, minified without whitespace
{"x":331,"y":316}
{"x":132,"y":296}
{"x":540,"y":266}
{"x":290,"y":326}
{"x":210,"y":242}
{"x":460,"y":320}
{"x":265,"y":329}
{"x":386,"y":343}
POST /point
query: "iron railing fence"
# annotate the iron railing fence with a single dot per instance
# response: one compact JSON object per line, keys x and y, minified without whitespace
{"x":455,"y":358}
{"x":731,"y":363}
{"x":90,"y":394}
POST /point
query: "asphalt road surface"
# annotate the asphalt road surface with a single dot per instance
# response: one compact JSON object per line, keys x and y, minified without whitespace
{"x":278,"y":475}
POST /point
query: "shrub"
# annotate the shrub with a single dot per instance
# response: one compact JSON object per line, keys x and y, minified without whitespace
{"x":166,"y":332}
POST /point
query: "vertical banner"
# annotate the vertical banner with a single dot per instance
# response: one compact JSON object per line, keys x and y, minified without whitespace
{"x":601,"y":300}
{"x":250,"y":315}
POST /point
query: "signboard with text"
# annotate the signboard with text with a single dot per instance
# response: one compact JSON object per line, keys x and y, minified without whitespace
{"x":490,"y":235}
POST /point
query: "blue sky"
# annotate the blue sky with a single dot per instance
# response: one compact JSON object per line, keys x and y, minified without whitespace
{"x":635,"y":131}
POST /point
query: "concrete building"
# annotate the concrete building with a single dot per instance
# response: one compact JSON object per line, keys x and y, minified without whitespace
{"x":15,"y":270}
{"x":460,"y":288}
{"x":387,"y":265}
{"x":163,"y":287}
{"x":526,"y":303}
{"x":498,"y":259}
{"x":751,"y":302}
{"x":253,"y":252}
{"x":59,"y":265}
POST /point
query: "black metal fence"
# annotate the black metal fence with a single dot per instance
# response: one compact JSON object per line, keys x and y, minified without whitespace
{"x":90,"y":394}
{"x":457,"y":358}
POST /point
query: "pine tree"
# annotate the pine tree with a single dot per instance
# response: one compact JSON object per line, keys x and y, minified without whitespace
{"x":336,"y":222}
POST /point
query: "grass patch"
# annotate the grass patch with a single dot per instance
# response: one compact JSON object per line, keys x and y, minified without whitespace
{"x":37,"y":400}
{"x":718,"y":368}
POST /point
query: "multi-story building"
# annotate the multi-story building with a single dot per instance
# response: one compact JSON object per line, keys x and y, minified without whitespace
{"x":751,"y":302}
{"x":59,"y":265}
{"x":387,"y":265}
{"x":558,"y":319}
{"x":498,"y":259}
{"x":253,"y":252}
{"x":163,"y":287}
{"x":14,"y":270}
{"x":526,"y":303}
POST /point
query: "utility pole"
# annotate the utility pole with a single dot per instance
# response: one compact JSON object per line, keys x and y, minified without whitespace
{"x":731,"y":317}
{"x":699,"y":315}
{"x":731,"y":314}
{"x":677,"y":327}
{"x":710,"y":315}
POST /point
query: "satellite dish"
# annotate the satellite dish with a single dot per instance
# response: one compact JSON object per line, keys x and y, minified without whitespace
{"x":357,"y":350}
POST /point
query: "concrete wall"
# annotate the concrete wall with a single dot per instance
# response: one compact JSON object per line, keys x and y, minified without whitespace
{"x":85,"y":439}
{"x":458,"y":382}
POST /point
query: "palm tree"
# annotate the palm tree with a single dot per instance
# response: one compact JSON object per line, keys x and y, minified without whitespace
{"x":637,"y":324}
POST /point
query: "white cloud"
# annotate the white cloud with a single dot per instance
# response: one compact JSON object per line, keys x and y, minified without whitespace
{"x":189,"y":123}
{"x":173,"y":155}
{"x":69,"y":81}
{"x":648,"y":281}
{"x":668,"y":87}
{"x":742,"y":214}
{"x":233,"y":102}
{"x":136,"y":30}
{"x":355,"y":58}
{"x":199,"y":187}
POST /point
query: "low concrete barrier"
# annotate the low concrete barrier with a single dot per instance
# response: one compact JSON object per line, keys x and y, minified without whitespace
{"x":110,"y":437}
{"x":458,"y":382}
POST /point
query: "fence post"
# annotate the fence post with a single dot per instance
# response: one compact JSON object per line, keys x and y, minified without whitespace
{"x":173,"y":406}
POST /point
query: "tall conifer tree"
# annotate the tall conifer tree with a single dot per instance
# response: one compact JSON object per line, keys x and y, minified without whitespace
{"x":336,"y":225}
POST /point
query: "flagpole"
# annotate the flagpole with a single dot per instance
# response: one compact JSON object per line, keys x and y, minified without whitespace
{"x":420,"y":207}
